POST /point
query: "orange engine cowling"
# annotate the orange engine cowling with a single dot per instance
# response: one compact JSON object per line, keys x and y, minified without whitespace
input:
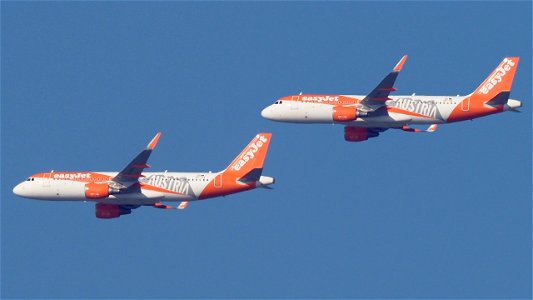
{"x":109,"y":211}
{"x":96,"y":190}
{"x":344,"y":113}
{"x":355,"y":134}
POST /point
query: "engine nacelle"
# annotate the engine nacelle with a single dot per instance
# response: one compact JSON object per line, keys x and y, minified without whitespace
{"x":96,"y":190}
{"x":109,"y":211}
{"x":344,"y":113}
{"x":358,"y":134}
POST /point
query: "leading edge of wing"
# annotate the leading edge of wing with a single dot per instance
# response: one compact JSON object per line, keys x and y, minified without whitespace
{"x":133,"y":171}
{"x":380,"y":93}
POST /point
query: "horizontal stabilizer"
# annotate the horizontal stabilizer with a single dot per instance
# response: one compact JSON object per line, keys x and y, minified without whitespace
{"x":253,"y":175}
{"x":499,"y":99}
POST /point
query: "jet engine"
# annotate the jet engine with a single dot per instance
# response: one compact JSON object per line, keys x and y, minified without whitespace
{"x":358,"y":134}
{"x":344,"y":113}
{"x":98,"y":190}
{"x":109,"y":211}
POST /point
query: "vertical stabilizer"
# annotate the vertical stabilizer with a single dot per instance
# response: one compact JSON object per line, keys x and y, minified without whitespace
{"x":251,"y":157}
{"x":499,"y":82}
{"x":491,"y":96}
{"x":244,"y":172}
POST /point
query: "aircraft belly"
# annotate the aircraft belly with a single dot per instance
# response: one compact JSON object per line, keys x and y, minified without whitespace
{"x":174,"y":197}
{"x":127,"y":201}
{"x":425,"y":121}
{"x":144,"y":198}
{"x":384,"y":121}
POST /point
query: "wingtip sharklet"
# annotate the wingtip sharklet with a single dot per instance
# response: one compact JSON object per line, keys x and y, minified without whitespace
{"x":400,"y":64}
{"x":432,"y":128}
{"x":154,"y":141}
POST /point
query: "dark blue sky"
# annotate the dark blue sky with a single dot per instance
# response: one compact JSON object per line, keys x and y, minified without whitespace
{"x":85,"y":85}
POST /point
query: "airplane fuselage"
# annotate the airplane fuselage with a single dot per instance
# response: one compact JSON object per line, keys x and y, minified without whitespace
{"x":398,"y":111}
{"x":153,"y":187}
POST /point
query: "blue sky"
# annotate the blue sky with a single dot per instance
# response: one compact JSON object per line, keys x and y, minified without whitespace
{"x":85,"y":85}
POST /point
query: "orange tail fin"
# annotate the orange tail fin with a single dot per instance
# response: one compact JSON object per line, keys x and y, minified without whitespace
{"x":250,"y":161}
{"x":500,"y":80}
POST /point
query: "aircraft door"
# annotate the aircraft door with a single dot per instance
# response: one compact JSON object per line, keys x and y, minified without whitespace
{"x":465,"y":104}
{"x":293,"y":105}
{"x":217,"y":183}
{"x":46,"y":179}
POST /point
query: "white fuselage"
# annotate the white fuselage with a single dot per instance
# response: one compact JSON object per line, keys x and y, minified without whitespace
{"x":398,"y":111}
{"x":155,"y":186}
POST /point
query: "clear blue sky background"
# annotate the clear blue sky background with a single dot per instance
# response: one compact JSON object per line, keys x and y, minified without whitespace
{"x":85,"y":85}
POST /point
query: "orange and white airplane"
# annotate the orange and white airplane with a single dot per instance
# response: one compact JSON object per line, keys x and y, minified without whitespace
{"x":367,"y":116}
{"x":117,"y":193}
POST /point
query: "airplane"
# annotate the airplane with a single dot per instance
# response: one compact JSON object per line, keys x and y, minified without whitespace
{"x":367,"y":116}
{"x":117,"y":193}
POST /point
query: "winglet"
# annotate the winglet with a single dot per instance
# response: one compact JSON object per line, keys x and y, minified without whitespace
{"x":399,"y":65}
{"x":432,"y":128}
{"x":153,"y":142}
{"x":183,"y":205}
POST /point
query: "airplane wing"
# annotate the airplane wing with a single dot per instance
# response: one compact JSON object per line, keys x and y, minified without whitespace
{"x":110,"y":211}
{"x":133,"y":171}
{"x":431,"y":128}
{"x":182,"y":205}
{"x":359,"y":134}
{"x":377,"y":97}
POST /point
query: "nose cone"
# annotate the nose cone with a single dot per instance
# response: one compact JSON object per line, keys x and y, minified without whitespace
{"x":20,"y":190}
{"x":267,"y":113}
{"x":17,"y":189}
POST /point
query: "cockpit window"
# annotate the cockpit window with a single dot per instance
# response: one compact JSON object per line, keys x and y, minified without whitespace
{"x":278,"y":102}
